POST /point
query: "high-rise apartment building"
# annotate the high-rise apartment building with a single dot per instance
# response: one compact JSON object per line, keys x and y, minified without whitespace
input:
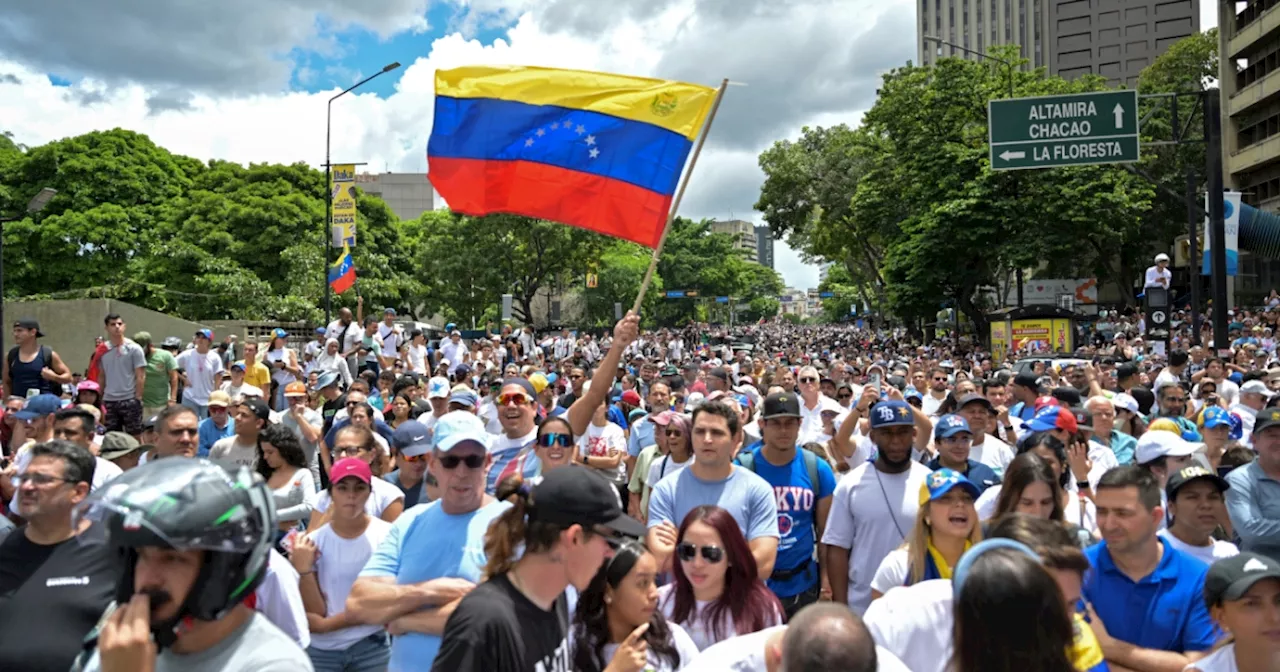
{"x":407,"y":194}
{"x":764,"y":246}
{"x":1112,"y":38}
{"x":1249,"y":77}
{"x":744,"y":235}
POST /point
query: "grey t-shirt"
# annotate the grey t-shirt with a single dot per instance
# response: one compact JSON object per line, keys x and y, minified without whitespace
{"x":257,"y":646}
{"x":119,"y":368}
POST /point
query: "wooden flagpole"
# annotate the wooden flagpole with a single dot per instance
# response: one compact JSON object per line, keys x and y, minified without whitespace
{"x":675,"y":205}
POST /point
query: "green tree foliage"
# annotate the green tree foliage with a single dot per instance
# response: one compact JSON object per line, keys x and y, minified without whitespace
{"x":907,"y":201}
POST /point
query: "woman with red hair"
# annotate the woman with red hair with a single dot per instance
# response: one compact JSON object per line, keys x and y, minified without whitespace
{"x":717,"y":593}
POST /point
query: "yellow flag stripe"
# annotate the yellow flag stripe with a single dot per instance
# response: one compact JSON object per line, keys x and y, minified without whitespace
{"x":675,"y":106}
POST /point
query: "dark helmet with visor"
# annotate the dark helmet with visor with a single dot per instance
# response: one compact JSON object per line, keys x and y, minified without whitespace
{"x":190,"y":504}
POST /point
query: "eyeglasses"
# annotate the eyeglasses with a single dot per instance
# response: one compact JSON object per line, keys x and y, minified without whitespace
{"x":40,"y":479}
{"x":413,"y":459}
{"x":674,"y":433}
{"x":517,"y":398}
{"x":844,"y":396}
{"x":217,"y":409}
{"x":687,"y":552}
{"x":939,"y":380}
{"x":554,"y":438}
{"x":348,"y":450}
{"x":808,"y":379}
{"x":452,"y":461}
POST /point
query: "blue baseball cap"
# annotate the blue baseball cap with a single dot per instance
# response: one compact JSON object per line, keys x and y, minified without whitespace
{"x":205,"y":333}
{"x":1215,"y":416}
{"x":1237,"y":427}
{"x":279,"y":333}
{"x":456,"y":427}
{"x":321,"y":331}
{"x":412,"y":438}
{"x":891,"y":414}
{"x":39,"y":406}
{"x":465,"y":397}
{"x":943,"y":481}
{"x":950,"y":425}
{"x":1050,"y":418}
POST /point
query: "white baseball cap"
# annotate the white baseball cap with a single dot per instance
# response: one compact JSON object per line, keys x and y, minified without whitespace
{"x":1159,"y":443}
{"x":1125,"y":401}
{"x":1162,"y":257}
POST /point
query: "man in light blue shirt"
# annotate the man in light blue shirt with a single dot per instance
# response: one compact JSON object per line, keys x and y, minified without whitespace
{"x":434,"y":553}
{"x":1253,"y":502}
{"x":713,"y":479}
{"x":209,"y":430}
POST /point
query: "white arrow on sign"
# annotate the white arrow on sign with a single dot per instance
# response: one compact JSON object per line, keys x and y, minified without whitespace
{"x":1007,"y":155}
{"x":1119,"y":112}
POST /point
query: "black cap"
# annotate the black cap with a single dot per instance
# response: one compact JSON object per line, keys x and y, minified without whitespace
{"x":721,"y":373}
{"x":27,"y":323}
{"x":1187,"y":474}
{"x":578,"y":495}
{"x":1267,"y":417}
{"x":259,"y":408}
{"x":1230,"y":578}
{"x":1028,"y":380}
{"x":781,"y":405}
{"x":1084,"y":419}
{"x":972,"y":398}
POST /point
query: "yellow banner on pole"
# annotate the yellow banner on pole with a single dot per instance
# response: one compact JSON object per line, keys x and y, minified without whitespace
{"x":342,"y":191}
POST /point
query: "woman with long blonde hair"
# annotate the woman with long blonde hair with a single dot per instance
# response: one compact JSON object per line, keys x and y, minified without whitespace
{"x":946,"y":526}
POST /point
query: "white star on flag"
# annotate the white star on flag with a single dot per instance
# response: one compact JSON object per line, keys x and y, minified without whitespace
{"x":555,"y":125}
{"x":541,"y":133}
{"x":528,"y":143}
{"x":591,"y":140}
{"x":594,"y":152}
{"x":580,"y":129}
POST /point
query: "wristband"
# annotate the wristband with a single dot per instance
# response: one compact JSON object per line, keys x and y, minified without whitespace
{"x":1083,"y":485}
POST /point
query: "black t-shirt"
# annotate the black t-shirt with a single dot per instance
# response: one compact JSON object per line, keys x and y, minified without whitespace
{"x":330,"y":409}
{"x":496,"y":627}
{"x":50,"y":597}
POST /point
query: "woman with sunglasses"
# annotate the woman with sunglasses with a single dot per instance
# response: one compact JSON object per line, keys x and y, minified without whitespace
{"x":676,"y":441}
{"x":553,"y":447}
{"x":617,"y":626}
{"x":387,"y":500}
{"x":1243,"y":596}
{"x":946,"y":526}
{"x":717,"y":593}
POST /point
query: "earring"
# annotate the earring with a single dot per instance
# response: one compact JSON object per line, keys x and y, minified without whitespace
{"x":608,"y":600}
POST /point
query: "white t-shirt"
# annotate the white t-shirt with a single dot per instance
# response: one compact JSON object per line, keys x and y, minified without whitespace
{"x":229,"y":449}
{"x":872,"y":513}
{"x":683,"y":643}
{"x":103,"y":471}
{"x":280,"y":600}
{"x":338,"y":563}
{"x":1210,"y":554}
{"x":1222,"y":660}
{"x":863,"y":448}
{"x":1157,"y":278}
{"x":700,"y":630}
{"x":892,"y":572}
{"x":202,"y":374}
{"x":663,"y":466}
{"x":745,"y":653}
{"x":930,"y":405}
{"x":1088,"y":518}
{"x":455,"y":353}
{"x":600,"y":442}
{"x":418,"y":359}
{"x":992,"y":452}
{"x":914,"y":624}
{"x":384,"y":494}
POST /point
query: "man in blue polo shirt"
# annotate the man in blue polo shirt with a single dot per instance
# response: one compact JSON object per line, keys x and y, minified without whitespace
{"x":1145,"y":598}
{"x":953,"y":440}
{"x":803,"y":502}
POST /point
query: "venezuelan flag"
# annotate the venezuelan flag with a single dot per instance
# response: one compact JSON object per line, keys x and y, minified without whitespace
{"x":342,"y":274}
{"x":599,"y":151}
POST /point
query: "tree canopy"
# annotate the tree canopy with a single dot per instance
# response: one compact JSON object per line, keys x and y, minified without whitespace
{"x":221,"y":240}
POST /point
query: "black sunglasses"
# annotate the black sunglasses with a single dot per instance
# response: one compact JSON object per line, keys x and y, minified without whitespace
{"x":553,"y":438}
{"x":687,"y":552}
{"x":452,"y":461}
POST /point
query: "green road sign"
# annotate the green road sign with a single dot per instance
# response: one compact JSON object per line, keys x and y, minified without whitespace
{"x":1075,"y":129}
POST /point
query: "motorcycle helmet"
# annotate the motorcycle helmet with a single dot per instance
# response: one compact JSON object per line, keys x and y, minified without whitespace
{"x":190,"y":504}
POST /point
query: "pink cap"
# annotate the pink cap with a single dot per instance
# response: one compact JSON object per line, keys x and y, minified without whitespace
{"x":353,"y":467}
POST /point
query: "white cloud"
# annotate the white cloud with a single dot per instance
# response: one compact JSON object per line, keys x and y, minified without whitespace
{"x":391,"y":133}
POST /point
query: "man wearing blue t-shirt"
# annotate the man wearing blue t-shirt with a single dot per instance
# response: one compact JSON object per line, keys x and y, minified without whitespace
{"x":802,"y":503}
{"x":713,"y":479}
{"x":434,"y":553}
{"x":1145,"y":598}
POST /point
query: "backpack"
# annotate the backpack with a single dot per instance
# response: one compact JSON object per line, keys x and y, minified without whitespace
{"x":747,"y":460}
{"x":46,"y":355}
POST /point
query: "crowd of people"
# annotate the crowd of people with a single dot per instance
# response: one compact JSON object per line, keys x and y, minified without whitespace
{"x":759,"y":498}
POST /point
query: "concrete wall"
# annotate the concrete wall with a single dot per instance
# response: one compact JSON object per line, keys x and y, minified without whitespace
{"x":70,"y":326}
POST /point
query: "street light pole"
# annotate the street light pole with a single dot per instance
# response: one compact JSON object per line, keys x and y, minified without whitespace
{"x":36,"y":204}
{"x":328,"y":186}
{"x":1010,"y":66}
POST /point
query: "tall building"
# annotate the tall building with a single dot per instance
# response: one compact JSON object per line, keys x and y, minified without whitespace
{"x":764,"y":246}
{"x":744,"y":235}
{"x":407,"y":194}
{"x":1112,"y":38}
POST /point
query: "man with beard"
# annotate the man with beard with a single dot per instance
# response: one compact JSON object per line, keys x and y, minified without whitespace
{"x":871,"y":512}
{"x":194,"y":538}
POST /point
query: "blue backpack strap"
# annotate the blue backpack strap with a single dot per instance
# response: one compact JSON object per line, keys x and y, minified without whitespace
{"x":811,"y":465}
{"x":747,"y":460}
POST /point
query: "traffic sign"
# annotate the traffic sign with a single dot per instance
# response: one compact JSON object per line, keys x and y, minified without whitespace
{"x":826,"y":295}
{"x":722,"y":299}
{"x":675,"y":293}
{"x":1075,"y":129}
